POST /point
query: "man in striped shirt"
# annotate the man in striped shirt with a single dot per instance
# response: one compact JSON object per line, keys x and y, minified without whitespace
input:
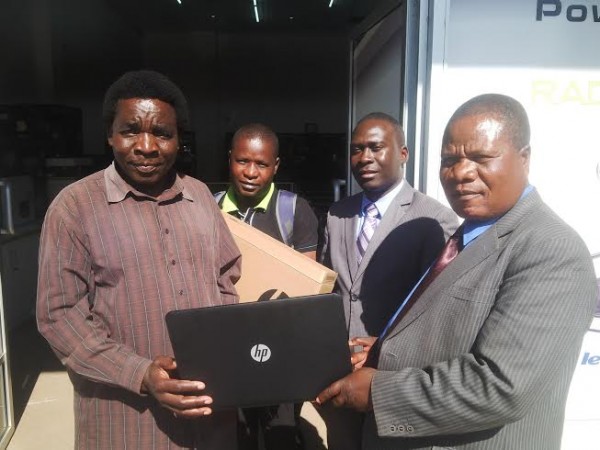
{"x":119,"y":249}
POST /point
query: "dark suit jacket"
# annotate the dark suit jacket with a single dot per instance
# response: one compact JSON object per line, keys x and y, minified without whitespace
{"x":410,"y":235}
{"x":484,"y":358}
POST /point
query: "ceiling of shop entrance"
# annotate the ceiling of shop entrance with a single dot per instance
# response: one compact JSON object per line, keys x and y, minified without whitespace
{"x":241,"y":15}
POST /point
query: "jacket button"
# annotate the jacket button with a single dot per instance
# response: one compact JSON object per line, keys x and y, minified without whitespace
{"x":354,"y":297}
{"x":409,"y":428}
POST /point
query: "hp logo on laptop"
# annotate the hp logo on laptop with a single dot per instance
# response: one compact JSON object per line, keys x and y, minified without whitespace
{"x":260,"y":353}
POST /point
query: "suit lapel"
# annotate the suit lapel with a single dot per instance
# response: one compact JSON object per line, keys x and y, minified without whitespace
{"x":485,"y":245}
{"x":391,"y":219}
{"x":474,"y":254}
{"x":349,"y":236}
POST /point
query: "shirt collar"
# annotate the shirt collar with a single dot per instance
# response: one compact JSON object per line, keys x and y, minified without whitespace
{"x":473,"y":229}
{"x":382,"y":203}
{"x":230,"y":202}
{"x":117,"y":188}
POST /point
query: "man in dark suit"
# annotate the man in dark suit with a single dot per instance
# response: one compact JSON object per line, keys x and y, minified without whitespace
{"x":409,"y":230}
{"x":483,"y":356}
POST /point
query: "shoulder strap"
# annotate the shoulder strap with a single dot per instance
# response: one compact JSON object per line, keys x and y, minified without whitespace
{"x":218,"y":196}
{"x":285,"y":209}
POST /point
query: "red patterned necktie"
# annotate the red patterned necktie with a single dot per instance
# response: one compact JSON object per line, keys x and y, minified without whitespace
{"x":448,"y":253}
{"x":370,"y":222}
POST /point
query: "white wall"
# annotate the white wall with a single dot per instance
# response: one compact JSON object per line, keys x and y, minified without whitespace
{"x":552,"y":66}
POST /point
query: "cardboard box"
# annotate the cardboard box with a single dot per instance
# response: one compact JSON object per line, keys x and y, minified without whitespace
{"x":271,"y":268}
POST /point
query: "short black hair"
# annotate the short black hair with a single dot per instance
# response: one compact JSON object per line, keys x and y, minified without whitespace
{"x":256,"y":130}
{"x":144,"y":84}
{"x":505,"y":109}
{"x":385,"y":118}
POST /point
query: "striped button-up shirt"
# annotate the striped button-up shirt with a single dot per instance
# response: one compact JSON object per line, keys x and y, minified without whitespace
{"x":113,"y":262}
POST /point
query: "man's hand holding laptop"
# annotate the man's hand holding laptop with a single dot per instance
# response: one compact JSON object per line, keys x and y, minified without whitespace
{"x":183,"y":397}
{"x":354,"y":390}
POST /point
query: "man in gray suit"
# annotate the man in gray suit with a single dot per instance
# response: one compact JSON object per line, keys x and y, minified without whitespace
{"x":409,"y":231}
{"x":483,"y":357}
{"x":412,"y":228}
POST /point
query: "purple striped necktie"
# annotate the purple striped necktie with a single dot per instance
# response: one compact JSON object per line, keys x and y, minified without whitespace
{"x":370,"y":222}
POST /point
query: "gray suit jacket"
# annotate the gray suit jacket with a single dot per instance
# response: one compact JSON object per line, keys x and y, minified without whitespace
{"x":484,"y":358}
{"x":410,"y":235}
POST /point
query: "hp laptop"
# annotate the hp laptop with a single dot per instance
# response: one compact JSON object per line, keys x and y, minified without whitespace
{"x":262,"y":353}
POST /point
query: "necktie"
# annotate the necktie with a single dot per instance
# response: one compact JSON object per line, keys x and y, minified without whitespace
{"x":365,"y":234}
{"x":448,"y":253}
